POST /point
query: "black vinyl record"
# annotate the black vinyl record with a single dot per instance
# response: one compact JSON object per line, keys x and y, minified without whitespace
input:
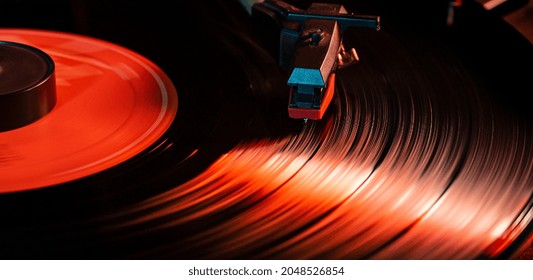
{"x":424,"y":153}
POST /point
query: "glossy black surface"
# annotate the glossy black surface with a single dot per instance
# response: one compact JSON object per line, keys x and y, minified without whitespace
{"x":230,"y":90}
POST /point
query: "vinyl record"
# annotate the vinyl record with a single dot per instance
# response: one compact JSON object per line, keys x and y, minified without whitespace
{"x":112,"y":104}
{"x":424,"y":153}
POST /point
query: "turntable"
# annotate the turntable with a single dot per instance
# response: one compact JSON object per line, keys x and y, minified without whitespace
{"x":176,"y":134}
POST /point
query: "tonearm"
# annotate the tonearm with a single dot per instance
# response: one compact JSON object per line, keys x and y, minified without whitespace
{"x":308,"y":44}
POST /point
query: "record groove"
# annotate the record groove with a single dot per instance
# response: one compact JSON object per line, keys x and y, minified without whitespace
{"x":417,"y":158}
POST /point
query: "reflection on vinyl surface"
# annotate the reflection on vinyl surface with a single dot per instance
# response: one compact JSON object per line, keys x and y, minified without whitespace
{"x":422,"y":155}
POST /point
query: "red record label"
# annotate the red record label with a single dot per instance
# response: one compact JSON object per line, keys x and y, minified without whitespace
{"x":112,"y":103}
